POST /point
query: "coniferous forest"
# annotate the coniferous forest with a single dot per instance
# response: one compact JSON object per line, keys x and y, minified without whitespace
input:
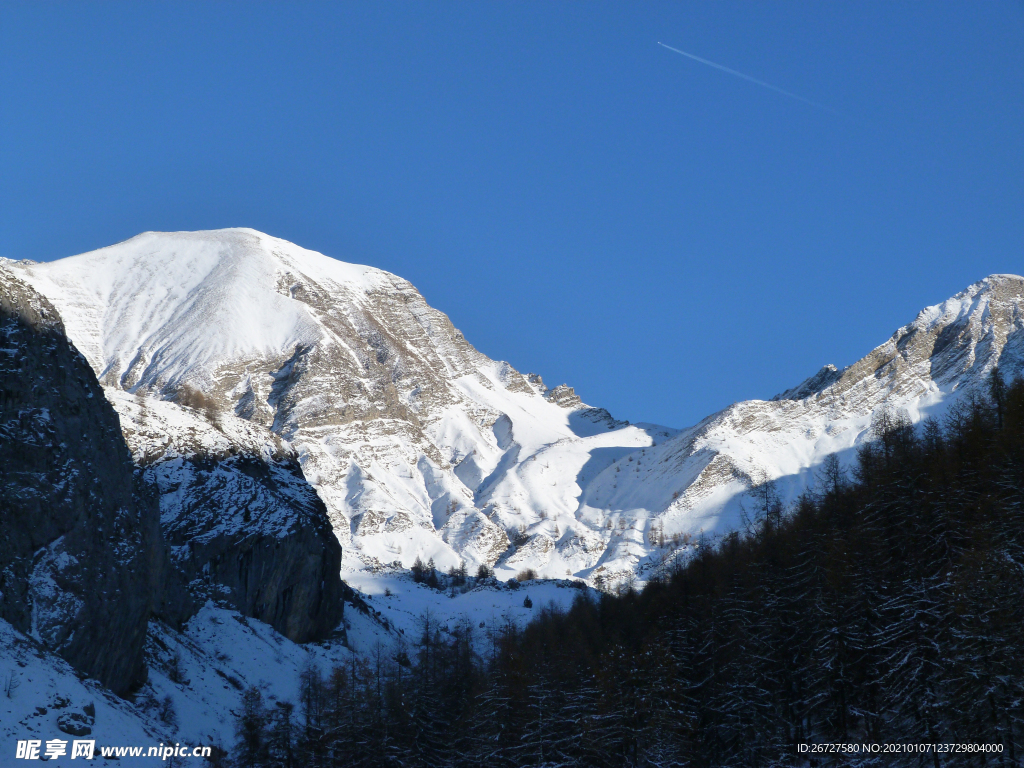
{"x":885,"y":606}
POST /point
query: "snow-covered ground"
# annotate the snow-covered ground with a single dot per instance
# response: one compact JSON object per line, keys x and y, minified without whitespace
{"x":403,"y":604}
{"x":45,"y":688}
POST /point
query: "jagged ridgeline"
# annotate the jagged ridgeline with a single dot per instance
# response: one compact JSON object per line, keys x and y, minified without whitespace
{"x":84,"y":562}
{"x":234,"y":342}
{"x":886,"y":607}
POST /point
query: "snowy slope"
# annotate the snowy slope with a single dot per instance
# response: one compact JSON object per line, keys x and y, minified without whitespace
{"x":196,"y":676}
{"x":420,"y":446}
{"x":45,"y":688}
{"x":699,"y":480}
{"x":400,"y":605}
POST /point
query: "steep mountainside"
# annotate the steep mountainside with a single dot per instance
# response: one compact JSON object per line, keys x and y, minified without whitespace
{"x":81,"y":559}
{"x":84,"y":557}
{"x":419,"y":445}
{"x":698,"y":481}
{"x":253,"y":534}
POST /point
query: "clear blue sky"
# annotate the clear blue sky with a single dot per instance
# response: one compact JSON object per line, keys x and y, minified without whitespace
{"x":664,"y":236}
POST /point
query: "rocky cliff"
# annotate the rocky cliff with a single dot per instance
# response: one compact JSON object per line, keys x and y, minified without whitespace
{"x":254,"y":535}
{"x":94,"y":543}
{"x":80,"y":549}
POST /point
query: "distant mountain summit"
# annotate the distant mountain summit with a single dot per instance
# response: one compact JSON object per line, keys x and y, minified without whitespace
{"x":699,"y":480}
{"x":232,"y":342}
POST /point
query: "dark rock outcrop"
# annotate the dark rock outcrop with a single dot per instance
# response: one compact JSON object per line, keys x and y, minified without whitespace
{"x":80,"y":551}
{"x":253,"y":534}
{"x":819,"y":382}
{"x":84,"y":533}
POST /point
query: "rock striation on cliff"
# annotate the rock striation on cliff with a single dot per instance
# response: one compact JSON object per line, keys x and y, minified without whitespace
{"x":253,"y":535}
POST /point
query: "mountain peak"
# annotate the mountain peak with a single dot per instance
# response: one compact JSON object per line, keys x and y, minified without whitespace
{"x":812,"y":385}
{"x":1003,"y":278}
{"x":176,"y":302}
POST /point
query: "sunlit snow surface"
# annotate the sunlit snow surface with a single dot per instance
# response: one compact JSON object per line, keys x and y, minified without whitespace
{"x":420,"y":446}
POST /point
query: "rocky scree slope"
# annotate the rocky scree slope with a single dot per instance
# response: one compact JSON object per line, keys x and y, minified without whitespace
{"x":421,"y":446}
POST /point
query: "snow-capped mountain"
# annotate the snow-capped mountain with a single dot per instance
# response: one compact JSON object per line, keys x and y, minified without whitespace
{"x":699,"y":480}
{"x":418,"y":444}
{"x":421,"y":446}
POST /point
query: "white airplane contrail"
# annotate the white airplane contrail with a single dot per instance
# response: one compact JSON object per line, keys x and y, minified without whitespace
{"x":750,"y":79}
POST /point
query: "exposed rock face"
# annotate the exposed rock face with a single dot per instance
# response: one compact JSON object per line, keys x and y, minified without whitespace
{"x":255,"y":535}
{"x":245,"y":528}
{"x":80,"y":548}
{"x":84,"y":564}
{"x":826,"y":377}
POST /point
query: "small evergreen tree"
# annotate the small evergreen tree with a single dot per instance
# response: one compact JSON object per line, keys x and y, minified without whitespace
{"x":281,"y":738}
{"x":250,"y":727}
{"x":997,"y":392}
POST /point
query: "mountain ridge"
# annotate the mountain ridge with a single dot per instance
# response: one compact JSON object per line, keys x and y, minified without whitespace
{"x":421,"y":446}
